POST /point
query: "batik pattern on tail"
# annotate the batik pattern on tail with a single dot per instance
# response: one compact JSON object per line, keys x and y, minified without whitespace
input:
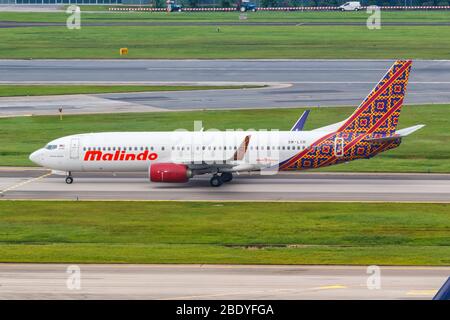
{"x":377,"y":116}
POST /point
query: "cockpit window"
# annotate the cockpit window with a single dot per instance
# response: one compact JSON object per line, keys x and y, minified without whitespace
{"x":51,"y":146}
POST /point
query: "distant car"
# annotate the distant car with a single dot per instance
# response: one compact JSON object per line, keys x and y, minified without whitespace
{"x":350,"y":6}
{"x":246,"y":6}
{"x":175,"y":7}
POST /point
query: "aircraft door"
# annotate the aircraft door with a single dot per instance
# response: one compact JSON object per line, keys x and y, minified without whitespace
{"x":338,"y":147}
{"x":74,"y":148}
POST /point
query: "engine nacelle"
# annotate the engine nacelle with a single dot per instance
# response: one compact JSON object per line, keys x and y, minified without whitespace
{"x":169,"y":172}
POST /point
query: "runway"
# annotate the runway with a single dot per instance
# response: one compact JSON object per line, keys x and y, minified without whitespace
{"x":295,"y":83}
{"x":40,"y":184}
{"x":196,"y":282}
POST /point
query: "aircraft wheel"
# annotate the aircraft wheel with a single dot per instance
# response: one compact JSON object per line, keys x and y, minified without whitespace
{"x":216,"y":181}
{"x":69,"y":180}
{"x":226,"y":176}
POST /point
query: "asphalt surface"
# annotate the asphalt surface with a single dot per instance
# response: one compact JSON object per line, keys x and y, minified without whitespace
{"x":39,"y":184}
{"x":196,"y":282}
{"x":294,"y":83}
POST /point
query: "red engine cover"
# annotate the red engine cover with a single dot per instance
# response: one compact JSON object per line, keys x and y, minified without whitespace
{"x":169,"y":172}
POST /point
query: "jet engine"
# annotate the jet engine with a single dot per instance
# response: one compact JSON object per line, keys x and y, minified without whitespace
{"x":169,"y":172}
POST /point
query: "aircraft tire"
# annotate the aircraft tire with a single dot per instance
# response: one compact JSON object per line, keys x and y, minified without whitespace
{"x":215,"y":181}
{"x":226,"y":177}
{"x":69,"y":180}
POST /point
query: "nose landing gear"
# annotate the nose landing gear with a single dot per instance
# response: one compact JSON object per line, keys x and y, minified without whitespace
{"x":69,"y":178}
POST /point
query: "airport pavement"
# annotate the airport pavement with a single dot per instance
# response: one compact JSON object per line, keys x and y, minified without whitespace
{"x":294,"y":83}
{"x":196,"y":282}
{"x":40,"y":184}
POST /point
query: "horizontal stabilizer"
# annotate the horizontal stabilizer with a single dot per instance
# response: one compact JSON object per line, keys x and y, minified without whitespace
{"x":407,"y":131}
{"x":398,"y":134}
{"x":298,"y":126}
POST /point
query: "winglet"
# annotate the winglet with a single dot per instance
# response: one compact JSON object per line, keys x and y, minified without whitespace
{"x":240,"y":152}
{"x":444,"y":292}
{"x":298,"y":126}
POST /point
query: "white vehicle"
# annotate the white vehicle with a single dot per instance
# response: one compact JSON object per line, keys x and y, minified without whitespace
{"x":350,"y":6}
{"x":178,"y":156}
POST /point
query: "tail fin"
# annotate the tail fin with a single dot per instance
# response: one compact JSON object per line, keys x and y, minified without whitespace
{"x":379,"y":112}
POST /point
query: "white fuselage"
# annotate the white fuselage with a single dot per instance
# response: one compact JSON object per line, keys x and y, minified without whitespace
{"x":136,"y":151}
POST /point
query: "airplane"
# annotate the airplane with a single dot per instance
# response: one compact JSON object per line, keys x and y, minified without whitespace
{"x":180,"y":155}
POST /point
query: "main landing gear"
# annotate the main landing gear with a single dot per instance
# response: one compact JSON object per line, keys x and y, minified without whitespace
{"x":69,"y":178}
{"x":217,"y":181}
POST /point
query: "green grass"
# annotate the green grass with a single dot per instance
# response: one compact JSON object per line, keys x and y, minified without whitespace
{"x":232,"y":42}
{"x":205,"y":232}
{"x":427,"y":150}
{"x":42,"y":90}
{"x":204,"y":42}
{"x":309,"y":16}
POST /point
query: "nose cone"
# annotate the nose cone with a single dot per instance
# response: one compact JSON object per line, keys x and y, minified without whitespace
{"x":36,"y":157}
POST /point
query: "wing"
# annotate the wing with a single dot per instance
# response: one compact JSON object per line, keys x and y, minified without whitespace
{"x":234,"y":163}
